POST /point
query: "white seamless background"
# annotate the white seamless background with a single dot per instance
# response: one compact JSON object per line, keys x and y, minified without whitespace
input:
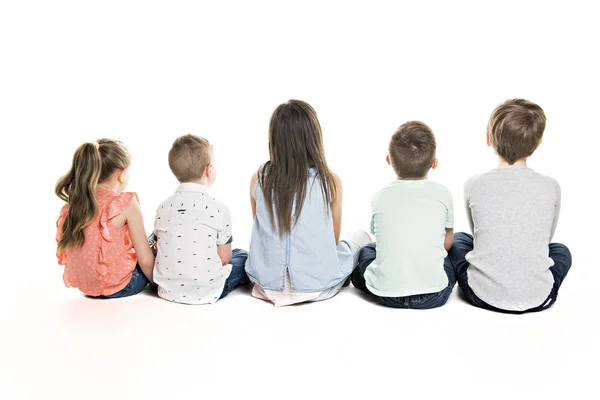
{"x":147,"y":72}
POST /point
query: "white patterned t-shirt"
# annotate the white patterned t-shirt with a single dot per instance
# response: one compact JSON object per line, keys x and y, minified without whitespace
{"x":189,"y":226}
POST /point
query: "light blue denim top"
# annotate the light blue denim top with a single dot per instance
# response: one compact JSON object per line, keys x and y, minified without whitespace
{"x":309,"y":252}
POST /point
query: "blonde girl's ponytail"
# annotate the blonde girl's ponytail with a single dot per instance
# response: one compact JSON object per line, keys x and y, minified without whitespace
{"x":92,"y":164}
{"x":78,"y":188}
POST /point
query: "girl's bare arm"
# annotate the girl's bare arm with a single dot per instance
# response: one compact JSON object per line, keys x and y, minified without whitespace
{"x":253,"y":183}
{"x":336,"y":209}
{"x":135,"y":223}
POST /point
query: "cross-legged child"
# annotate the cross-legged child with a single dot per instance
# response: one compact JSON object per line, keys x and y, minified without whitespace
{"x":100,"y":231}
{"x":193,"y":230}
{"x":509,"y":264}
{"x":412,"y":222}
{"x":296,"y":254}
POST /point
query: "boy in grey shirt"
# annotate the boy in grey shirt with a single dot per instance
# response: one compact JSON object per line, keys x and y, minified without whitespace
{"x":510,"y":265}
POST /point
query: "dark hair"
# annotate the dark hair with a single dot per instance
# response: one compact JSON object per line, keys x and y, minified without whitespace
{"x":189,"y":157}
{"x":295,"y":145}
{"x":516,"y":128}
{"x":412,"y":150}
{"x":93,"y":163}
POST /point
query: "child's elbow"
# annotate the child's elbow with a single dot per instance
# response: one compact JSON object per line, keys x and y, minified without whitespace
{"x":448,"y":244}
{"x":226,"y":260}
{"x":146,"y":264}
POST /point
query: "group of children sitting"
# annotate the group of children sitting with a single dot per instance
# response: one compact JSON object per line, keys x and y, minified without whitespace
{"x":296,"y":254}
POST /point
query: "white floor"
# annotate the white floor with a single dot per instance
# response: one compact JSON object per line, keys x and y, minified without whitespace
{"x":57,"y":343}
{"x":146,"y":73}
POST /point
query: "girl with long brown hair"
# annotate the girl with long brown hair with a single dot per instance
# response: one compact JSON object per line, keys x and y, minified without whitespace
{"x":295,"y":251}
{"x":100,"y":231}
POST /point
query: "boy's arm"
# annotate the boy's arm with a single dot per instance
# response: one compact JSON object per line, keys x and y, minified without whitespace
{"x":153,"y":239}
{"x":372,"y":224}
{"x":224,"y":252}
{"x":556,"y":210}
{"x":467,"y":194}
{"x":449,"y":238}
{"x":225,"y":237}
{"x":449,"y":223}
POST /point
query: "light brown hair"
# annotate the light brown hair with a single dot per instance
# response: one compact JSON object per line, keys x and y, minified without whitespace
{"x":189,"y":156}
{"x":412,"y":150}
{"x":516,"y":128}
{"x":295,"y":145}
{"x":93,"y":163}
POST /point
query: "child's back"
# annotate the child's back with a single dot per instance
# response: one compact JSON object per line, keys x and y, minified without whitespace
{"x":412,"y":220}
{"x":105,"y":262}
{"x":189,"y":226}
{"x":194,"y":261}
{"x":514,"y":211}
{"x":100,"y":231}
{"x":308,"y":252}
{"x":509,"y":264}
{"x":295,"y":251}
{"x":409,"y":221}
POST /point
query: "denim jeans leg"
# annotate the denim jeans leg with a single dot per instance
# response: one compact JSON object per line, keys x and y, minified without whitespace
{"x":462,"y":245}
{"x":456,"y":259}
{"x":238,"y":272}
{"x":137,"y":283}
{"x":450,"y":272}
{"x":366,"y":256}
{"x":561,"y":256}
{"x":428,"y":300}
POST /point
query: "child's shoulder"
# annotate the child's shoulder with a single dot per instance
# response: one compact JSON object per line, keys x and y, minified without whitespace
{"x":509,"y":172}
{"x":437,"y":187}
{"x":437,"y":191}
{"x":222,"y":206}
{"x":477,"y":177}
{"x":546,"y":178}
{"x":198,"y":198}
{"x":120,"y":200}
{"x":548,"y":181}
{"x":500,"y":176}
{"x":426,"y":188}
{"x":116,"y":203}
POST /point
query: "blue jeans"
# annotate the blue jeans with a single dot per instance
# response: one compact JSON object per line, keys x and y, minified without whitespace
{"x":418,"y":301}
{"x":463,"y":244}
{"x":138,"y":280}
{"x":137,"y":283}
{"x":238,"y":273}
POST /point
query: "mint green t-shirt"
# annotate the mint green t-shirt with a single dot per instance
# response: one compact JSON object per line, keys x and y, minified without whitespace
{"x":409,"y":222}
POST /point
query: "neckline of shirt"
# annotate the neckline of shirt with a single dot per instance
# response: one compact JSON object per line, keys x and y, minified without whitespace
{"x":191,"y":187}
{"x":511,"y":167}
{"x":409,"y":181}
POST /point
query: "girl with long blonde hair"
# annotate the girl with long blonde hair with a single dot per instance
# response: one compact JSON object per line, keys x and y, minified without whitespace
{"x":100,"y":230}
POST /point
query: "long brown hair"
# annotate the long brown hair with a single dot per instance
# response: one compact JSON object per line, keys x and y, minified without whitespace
{"x":93,"y":163}
{"x":295,"y":145}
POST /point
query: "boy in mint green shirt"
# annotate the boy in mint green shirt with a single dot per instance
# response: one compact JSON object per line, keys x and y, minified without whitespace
{"x":412,"y":220}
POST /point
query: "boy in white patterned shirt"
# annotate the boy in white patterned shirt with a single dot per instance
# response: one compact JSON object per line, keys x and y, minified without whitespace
{"x":194,"y":262}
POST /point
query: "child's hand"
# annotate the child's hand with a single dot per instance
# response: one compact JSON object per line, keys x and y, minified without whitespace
{"x":152,"y":241}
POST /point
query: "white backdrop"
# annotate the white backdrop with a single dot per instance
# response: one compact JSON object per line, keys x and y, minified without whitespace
{"x":147,"y":72}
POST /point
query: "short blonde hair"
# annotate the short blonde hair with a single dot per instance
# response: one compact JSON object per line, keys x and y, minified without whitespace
{"x":189,"y":156}
{"x":516,"y":128}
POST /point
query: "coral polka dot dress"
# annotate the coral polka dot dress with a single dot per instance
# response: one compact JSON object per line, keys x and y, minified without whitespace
{"x":105,"y":262}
